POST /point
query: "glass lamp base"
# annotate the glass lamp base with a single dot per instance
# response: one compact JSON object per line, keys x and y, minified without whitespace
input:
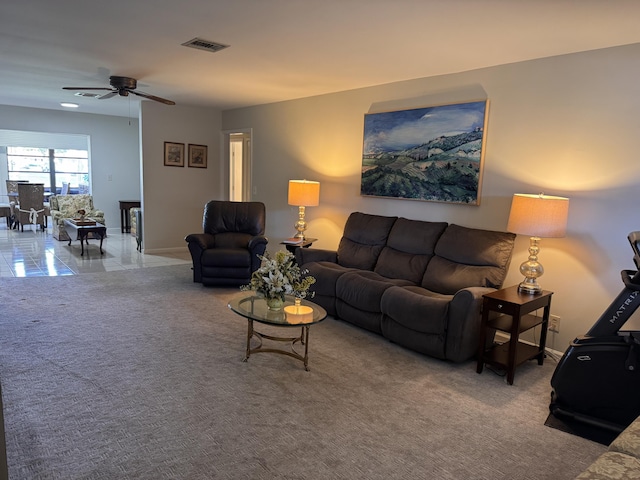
{"x":532,"y":288}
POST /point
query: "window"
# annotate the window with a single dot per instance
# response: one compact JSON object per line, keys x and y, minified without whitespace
{"x":51,"y":166}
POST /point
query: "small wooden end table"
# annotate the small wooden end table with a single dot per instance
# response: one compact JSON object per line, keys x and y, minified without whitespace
{"x":82,"y":229}
{"x":515,"y":318}
{"x":306,"y":243}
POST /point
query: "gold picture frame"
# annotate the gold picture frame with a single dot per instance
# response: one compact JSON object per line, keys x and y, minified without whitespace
{"x":434,"y":154}
{"x":197,"y":156}
{"x":173,"y":154}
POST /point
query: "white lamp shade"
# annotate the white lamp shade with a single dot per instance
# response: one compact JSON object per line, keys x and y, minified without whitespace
{"x":538,"y":215}
{"x":304,"y":193}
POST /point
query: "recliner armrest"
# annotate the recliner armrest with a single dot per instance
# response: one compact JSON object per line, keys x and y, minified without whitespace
{"x":257,"y":240}
{"x":203,"y":240}
{"x":306,"y":255}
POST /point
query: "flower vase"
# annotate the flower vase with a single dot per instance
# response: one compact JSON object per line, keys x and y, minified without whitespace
{"x":275,"y":303}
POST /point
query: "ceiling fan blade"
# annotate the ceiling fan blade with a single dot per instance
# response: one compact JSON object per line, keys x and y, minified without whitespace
{"x":112,"y":93}
{"x":85,"y":88}
{"x":153,"y":97}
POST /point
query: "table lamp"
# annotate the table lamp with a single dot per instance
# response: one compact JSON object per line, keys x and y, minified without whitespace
{"x":537,"y":216}
{"x":303,"y":193}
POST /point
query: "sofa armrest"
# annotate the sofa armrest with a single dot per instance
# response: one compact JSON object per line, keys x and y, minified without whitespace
{"x":463,"y":328}
{"x":307,"y":255}
{"x":629,"y":440}
{"x":201,"y":240}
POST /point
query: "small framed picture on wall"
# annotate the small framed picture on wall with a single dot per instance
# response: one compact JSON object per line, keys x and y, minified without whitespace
{"x":173,"y":154}
{"x":197,"y":156}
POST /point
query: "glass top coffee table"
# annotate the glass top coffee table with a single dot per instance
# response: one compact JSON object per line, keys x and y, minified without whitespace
{"x":292,"y":315}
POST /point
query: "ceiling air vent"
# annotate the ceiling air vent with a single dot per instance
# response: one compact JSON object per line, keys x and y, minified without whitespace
{"x":205,"y":45}
{"x":87,"y":94}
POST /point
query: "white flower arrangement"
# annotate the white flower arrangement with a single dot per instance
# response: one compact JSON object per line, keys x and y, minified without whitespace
{"x":280,"y":276}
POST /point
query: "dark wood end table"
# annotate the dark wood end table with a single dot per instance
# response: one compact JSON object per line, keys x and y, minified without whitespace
{"x":306,"y":243}
{"x":515,"y":318}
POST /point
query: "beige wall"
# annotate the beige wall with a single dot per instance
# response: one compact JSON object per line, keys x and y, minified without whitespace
{"x":173,"y":197}
{"x":565,"y":125}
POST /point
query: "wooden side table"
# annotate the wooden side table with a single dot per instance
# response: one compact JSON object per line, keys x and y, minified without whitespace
{"x":304,"y":244}
{"x":515,"y":318}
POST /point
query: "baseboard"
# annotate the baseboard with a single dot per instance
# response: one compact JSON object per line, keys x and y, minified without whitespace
{"x":502,"y":337}
{"x":158,"y":251}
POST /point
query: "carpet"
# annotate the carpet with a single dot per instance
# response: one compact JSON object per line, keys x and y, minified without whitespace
{"x":139,"y":375}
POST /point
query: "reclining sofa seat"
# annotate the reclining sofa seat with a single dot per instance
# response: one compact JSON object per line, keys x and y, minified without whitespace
{"x":418,"y":283}
{"x":363,"y":239}
{"x":226,"y":253}
{"x":441,"y":317}
{"x":400,"y":262}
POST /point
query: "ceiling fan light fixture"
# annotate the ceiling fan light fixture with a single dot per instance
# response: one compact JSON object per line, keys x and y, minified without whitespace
{"x":121,"y":86}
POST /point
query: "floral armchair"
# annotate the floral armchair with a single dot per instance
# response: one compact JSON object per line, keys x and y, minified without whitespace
{"x":67,"y":206}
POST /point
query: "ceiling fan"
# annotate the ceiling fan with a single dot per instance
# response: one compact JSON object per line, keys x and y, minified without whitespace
{"x":122,"y":86}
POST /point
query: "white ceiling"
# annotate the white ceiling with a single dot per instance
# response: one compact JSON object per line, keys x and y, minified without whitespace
{"x":280,"y":49}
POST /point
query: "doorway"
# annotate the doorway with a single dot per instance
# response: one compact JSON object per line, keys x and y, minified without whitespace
{"x":239,"y":148}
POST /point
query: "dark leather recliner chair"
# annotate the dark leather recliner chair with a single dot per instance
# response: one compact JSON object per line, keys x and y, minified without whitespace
{"x":227,"y":252}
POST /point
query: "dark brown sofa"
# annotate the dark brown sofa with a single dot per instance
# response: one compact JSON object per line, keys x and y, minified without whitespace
{"x":417,"y":283}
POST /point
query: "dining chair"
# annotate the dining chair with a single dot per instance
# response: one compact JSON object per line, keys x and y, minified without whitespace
{"x":12,"y":193}
{"x":31,"y":208}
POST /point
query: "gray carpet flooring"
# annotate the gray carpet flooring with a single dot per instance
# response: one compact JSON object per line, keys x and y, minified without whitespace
{"x":139,"y":375}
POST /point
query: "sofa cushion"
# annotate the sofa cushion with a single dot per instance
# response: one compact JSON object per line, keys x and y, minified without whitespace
{"x":226,"y":257}
{"x":70,"y":204}
{"x":417,"y":309}
{"x":468,"y":257}
{"x":363,"y":239}
{"x":326,"y":275}
{"x":222,"y":216}
{"x":409,"y":249}
{"x":363,"y":289}
{"x":232,"y":240}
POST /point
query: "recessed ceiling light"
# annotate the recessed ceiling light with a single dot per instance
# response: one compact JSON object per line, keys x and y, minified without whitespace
{"x":69,"y":105}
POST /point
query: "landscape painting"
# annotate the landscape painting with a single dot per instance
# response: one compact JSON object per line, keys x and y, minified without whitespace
{"x":433,"y":153}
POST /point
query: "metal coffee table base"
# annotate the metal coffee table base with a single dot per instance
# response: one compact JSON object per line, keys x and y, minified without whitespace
{"x":303,"y":339}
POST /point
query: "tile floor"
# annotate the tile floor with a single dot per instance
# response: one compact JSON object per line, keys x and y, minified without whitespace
{"x":35,"y":253}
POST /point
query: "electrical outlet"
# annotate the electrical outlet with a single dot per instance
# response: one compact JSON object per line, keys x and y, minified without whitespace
{"x":554,"y":323}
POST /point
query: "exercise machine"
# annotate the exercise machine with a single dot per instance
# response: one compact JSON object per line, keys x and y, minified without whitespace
{"x":597,"y":381}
